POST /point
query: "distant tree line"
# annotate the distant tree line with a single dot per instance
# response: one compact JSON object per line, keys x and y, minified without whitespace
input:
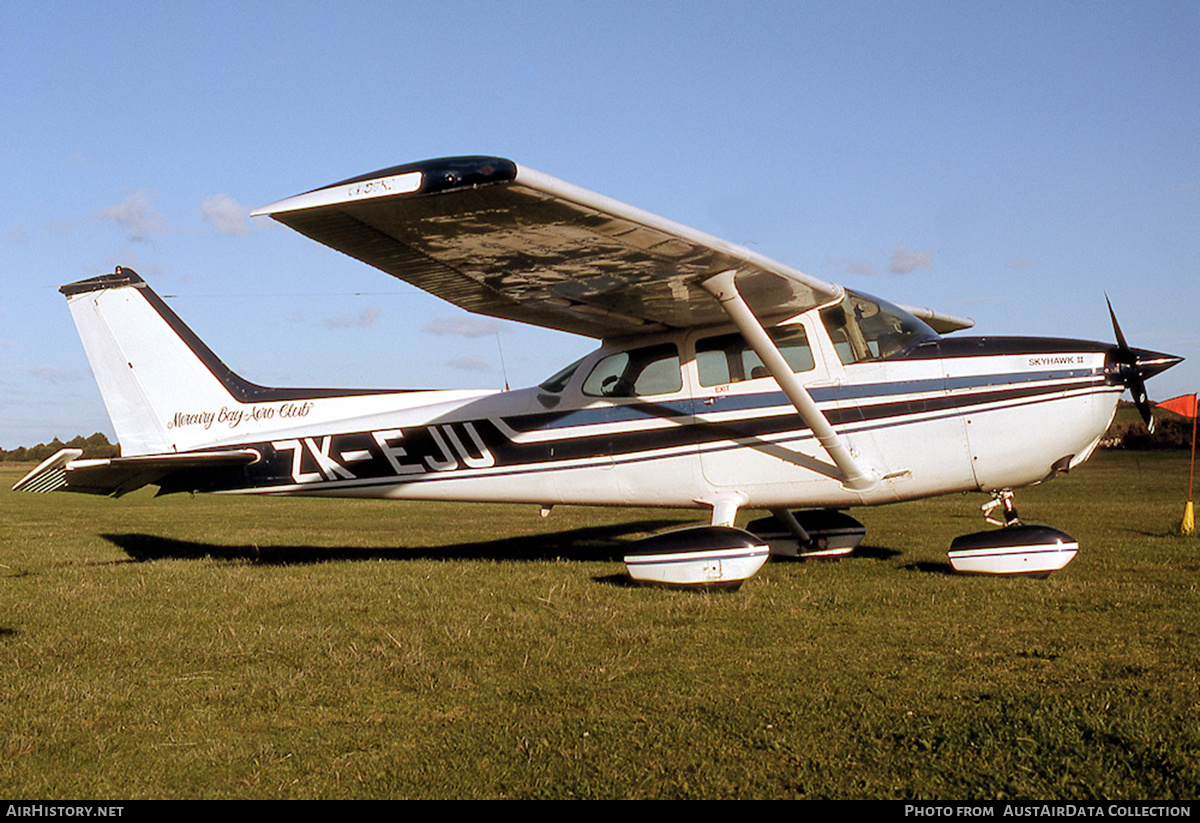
{"x":95,"y":446}
{"x":1127,"y":431}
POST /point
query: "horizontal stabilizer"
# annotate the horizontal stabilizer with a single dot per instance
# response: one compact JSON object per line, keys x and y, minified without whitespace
{"x":117,"y":476}
{"x":50,"y":475}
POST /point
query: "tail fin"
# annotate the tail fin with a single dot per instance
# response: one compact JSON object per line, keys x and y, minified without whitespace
{"x":151,"y":368}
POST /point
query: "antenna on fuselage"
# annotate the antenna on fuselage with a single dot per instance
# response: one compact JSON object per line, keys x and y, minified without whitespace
{"x":503,"y":370}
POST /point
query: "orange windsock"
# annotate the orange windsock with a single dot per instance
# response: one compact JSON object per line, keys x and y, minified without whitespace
{"x":1184,"y":405}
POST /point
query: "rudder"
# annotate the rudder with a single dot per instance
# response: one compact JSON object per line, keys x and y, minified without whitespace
{"x":150,"y":367}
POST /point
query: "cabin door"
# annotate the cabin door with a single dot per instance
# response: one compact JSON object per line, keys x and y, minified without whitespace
{"x":748,"y":433}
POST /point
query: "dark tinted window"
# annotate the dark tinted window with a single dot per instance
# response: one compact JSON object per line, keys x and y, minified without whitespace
{"x":635,"y":373}
{"x":866,"y":328}
{"x":728,"y":358}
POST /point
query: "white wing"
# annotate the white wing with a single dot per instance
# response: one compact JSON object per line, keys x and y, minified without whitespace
{"x":504,"y":240}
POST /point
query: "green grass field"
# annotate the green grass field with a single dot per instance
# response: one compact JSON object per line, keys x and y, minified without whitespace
{"x":247,"y":648}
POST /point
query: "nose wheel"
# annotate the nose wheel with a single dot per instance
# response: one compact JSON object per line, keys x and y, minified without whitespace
{"x":1014,"y":549}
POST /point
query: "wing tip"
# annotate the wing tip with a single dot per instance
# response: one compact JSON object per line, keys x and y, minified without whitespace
{"x":424,"y":177}
{"x":940,"y":322}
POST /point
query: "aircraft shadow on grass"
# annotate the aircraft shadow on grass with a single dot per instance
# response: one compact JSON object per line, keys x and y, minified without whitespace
{"x":876,"y":552}
{"x":884,"y":553}
{"x":595,"y":543}
{"x":931,"y":568}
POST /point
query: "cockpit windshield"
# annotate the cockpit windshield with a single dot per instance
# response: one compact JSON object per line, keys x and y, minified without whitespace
{"x":561,"y":378}
{"x":866,"y":328}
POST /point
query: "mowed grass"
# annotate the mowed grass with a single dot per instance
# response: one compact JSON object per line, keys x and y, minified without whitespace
{"x":218,"y":647}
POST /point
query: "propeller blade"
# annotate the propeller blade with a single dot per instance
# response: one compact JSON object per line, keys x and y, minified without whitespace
{"x":1137,"y":387}
{"x":1136,"y":366}
{"x":1116,"y":326}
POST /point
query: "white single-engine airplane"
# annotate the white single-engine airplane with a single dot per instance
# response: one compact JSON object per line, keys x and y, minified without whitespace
{"x":725,"y":380}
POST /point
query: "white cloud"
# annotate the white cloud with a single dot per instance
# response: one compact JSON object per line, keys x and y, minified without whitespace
{"x":360,"y":321}
{"x":226,"y":215}
{"x":137,"y":216}
{"x":849,"y":266}
{"x":905,"y":260}
{"x":462,"y":326}
{"x":59,"y":228}
{"x":471,"y":363}
{"x":49,"y":374}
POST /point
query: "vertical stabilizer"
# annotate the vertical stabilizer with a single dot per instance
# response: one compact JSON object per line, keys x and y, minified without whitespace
{"x":150,"y":367}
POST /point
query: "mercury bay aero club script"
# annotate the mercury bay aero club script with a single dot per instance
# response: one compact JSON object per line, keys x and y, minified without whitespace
{"x":724,"y":380}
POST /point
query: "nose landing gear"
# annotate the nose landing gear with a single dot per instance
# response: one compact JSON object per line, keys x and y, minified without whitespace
{"x":1004,"y":500}
{"x":1017,"y":548}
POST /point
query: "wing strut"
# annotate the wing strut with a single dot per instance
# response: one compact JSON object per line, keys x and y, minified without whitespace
{"x":854,"y":476}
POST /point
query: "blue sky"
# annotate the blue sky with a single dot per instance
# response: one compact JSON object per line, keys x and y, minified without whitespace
{"x":1006,"y":161}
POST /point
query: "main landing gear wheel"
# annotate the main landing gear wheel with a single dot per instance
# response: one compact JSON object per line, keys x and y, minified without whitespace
{"x":809,"y":533}
{"x":1016,"y":548}
{"x":717,"y":558}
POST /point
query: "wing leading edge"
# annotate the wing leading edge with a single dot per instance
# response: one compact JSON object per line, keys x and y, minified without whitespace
{"x":507,"y":241}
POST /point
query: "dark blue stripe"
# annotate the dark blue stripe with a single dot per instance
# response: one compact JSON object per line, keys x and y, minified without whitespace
{"x":746,"y":402}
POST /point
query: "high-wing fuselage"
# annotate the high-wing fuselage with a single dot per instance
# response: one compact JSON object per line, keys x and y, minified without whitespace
{"x":948,"y":416}
{"x":724,"y":379}
{"x":666,"y":419}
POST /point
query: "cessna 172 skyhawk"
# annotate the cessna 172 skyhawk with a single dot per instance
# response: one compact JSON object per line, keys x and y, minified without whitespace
{"x":725,"y":380}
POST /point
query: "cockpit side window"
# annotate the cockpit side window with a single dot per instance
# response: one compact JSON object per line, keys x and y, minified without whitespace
{"x":728,"y":358}
{"x":636,"y":373}
{"x":865,"y":328}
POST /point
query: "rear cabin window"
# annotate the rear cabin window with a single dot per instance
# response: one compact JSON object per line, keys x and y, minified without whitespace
{"x":636,"y":373}
{"x":729,"y":358}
